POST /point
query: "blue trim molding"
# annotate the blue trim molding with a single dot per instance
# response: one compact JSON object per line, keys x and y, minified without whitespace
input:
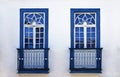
{"x":98,"y":49}
{"x":97,"y":11}
{"x":20,"y":59}
{"x":22,"y":11}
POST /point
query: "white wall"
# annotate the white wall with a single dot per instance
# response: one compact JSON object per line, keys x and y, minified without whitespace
{"x":59,"y":35}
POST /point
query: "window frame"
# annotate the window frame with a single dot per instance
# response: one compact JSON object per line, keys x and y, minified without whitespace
{"x":22,"y":10}
{"x":97,"y":48}
{"x":97,"y":24}
{"x":21,"y":48}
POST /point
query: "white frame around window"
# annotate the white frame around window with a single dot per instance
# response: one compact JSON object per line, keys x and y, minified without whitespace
{"x":84,"y":25}
{"x":34,"y":26}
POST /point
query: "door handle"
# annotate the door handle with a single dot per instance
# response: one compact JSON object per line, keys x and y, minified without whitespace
{"x":71,"y":58}
{"x":20,"y":58}
{"x":45,"y":59}
{"x":98,"y":58}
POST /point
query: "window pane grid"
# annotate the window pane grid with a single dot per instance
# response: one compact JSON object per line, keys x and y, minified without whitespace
{"x":79,"y":37}
{"x":39,"y":37}
{"x":91,"y":37}
{"x":28,"y":37}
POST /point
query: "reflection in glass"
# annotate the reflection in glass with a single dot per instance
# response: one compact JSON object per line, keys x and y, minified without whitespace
{"x":37,"y":29}
{"x":77,"y":29}
{"x":41,"y":29}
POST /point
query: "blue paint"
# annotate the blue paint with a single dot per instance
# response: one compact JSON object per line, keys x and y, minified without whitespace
{"x":99,"y":53}
{"x":46,"y":27}
{"x":98,"y":28}
{"x":33,"y":71}
{"x":30,"y":46}
{"x":71,"y":58}
{"x":81,"y":18}
{"x":72,"y":28}
{"x":21,"y":28}
{"x":22,"y":10}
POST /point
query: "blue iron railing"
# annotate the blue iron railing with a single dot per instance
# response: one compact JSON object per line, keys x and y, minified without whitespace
{"x":86,"y":60}
{"x":33,"y":60}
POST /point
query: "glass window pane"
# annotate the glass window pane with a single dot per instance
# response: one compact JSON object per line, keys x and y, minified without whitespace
{"x":81,"y":40}
{"x":81,"y":29}
{"x":41,"y":34}
{"x":31,"y":34}
{"x":88,"y":45}
{"x":31,"y":41}
{"x":93,"y":40}
{"x":37,"y":46}
{"x":26,"y":35}
{"x":30,"y":45}
{"x":26,"y":40}
{"x":77,"y":45}
{"x":81,"y":45}
{"x":93,"y":29}
{"x":77,"y":21}
{"x":88,"y":29}
{"x":88,"y":35}
{"x":37,"y":40}
{"x":77,"y":39}
{"x":41,"y":40}
{"x":81,"y":35}
{"x":30,"y":29}
{"x":93,"y":34}
{"x":41,"y":45}
{"x":93,"y":45}
{"x":77,"y":29}
{"x":26,"y":45}
{"x":37,"y":29}
{"x":42,"y":21}
{"x":26,"y":29}
{"x":88,"y":40}
{"x":37,"y":35}
{"x":77,"y":35}
{"x":93,"y":21}
{"x":41,"y":29}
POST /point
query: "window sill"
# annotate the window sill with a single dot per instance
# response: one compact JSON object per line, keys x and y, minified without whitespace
{"x":85,"y":70}
{"x":32,"y":71}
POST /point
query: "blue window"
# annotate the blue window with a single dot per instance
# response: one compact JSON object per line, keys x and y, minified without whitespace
{"x":85,"y":51}
{"x":33,"y":51}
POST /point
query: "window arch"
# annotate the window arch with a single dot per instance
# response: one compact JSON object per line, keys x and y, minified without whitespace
{"x":38,"y":18}
{"x":89,"y":18}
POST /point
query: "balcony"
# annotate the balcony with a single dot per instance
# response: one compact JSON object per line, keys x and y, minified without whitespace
{"x":33,"y":60}
{"x":86,"y":60}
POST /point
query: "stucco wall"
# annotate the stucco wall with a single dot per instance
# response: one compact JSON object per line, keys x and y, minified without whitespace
{"x":59,"y":36}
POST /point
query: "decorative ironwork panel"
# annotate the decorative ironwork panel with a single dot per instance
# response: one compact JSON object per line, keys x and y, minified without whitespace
{"x":85,"y":59}
{"x":34,"y":59}
{"x":89,"y":18}
{"x":37,"y":17}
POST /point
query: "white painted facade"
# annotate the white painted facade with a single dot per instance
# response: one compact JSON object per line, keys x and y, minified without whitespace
{"x":59,"y":36}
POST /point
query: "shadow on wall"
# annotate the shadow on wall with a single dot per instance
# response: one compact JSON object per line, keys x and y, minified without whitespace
{"x":85,"y":75}
{"x":33,"y":75}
